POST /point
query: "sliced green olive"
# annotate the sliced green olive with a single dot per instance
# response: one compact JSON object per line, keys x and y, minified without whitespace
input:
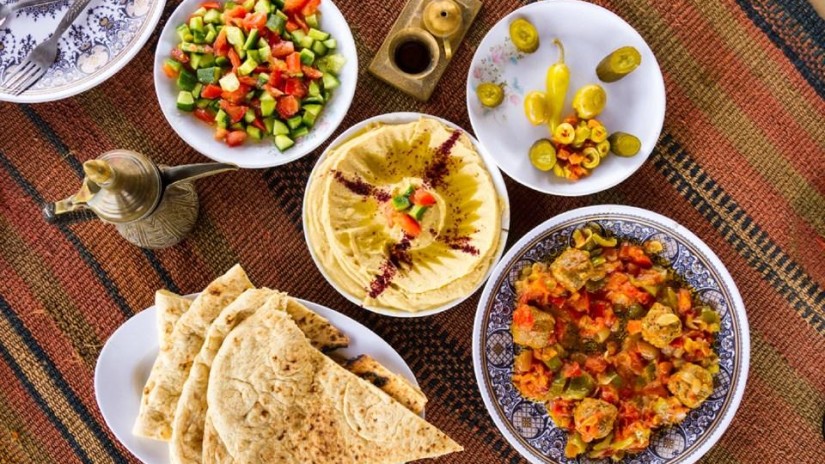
{"x":490,"y":94}
{"x":524,"y":35}
{"x":543,"y":155}
{"x":618,"y":64}
{"x":624,"y":144}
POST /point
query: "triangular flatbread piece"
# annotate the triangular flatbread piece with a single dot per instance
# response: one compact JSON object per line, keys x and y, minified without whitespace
{"x":273,"y":398}
{"x":169,"y":308}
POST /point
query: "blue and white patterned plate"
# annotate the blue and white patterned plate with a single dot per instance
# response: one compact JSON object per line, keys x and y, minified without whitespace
{"x":101,"y":41}
{"x":525,"y":424}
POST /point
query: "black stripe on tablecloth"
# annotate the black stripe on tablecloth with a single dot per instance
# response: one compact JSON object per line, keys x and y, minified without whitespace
{"x":60,"y":382}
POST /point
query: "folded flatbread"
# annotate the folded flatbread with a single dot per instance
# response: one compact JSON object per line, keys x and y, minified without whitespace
{"x":396,"y":386}
{"x":186,"y":445}
{"x":171,"y":368}
{"x":170,"y":307}
{"x":273,"y":398}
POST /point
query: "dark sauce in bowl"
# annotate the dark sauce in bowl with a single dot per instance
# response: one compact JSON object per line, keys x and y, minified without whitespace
{"x":412,"y":56}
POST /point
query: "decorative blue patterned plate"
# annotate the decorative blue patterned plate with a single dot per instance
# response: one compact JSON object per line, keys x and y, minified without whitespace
{"x":101,"y":41}
{"x":525,"y":424}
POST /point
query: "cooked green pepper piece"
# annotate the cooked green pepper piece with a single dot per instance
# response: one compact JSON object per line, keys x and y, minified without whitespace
{"x":490,"y":94}
{"x":575,"y":445}
{"x":624,"y":144}
{"x":557,"y":387}
{"x":543,"y":155}
{"x":556,"y":82}
{"x":579,"y":387}
{"x":524,"y":35}
{"x":400,"y":202}
{"x":589,"y":101}
{"x":554,"y":364}
{"x":618,"y":64}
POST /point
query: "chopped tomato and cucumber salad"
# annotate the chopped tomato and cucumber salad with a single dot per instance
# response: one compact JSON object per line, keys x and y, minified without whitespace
{"x":255,"y":69}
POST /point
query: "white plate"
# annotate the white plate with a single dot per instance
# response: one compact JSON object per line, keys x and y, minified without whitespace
{"x":635,"y":104}
{"x":126,"y":360}
{"x":525,"y":424}
{"x":263,"y":154}
{"x":101,"y":41}
{"x":498,"y":181}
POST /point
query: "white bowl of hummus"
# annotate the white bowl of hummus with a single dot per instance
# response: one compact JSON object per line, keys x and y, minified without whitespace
{"x":405,"y":214}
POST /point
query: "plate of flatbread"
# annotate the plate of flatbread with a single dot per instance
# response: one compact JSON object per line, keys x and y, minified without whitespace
{"x":239,"y":374}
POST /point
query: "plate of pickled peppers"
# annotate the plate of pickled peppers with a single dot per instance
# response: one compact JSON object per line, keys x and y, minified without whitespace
{"x":611,"y":333}
{"x":566,"y":109}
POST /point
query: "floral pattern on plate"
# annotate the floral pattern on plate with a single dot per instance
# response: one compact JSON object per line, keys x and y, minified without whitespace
{"x":491,"y":69}
{"x":100,"y":42}
{"x":528,"y":423}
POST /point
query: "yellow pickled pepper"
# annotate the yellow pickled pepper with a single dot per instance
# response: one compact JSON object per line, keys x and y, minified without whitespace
{"x":556,"y":83}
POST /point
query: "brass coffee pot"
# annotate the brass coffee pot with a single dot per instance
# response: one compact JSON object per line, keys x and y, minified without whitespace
{"x":151,"y":206}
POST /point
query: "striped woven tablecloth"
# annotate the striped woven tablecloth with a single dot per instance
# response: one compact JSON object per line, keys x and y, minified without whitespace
{"x":741,"y":162}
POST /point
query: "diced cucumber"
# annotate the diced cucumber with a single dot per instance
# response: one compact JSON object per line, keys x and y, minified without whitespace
{"x":186,"y":80}
{"x":184,"y":34}
{"x":215,"y":105}
{"x":199,"y":12}
{"x":194,"y":48}
{"x":237,"y":126}
{"x":269,"y":123}
{"x":230,"y":82}
{"x":253,"y":55}
{"x":210,"y":34}
{"x":265,"y":52}
{"x":195,"y":60}
{"x":185,"y":102}
{"x":212,"y":16}
{"x":282,"y":14}
{"x":174,"y":64}
{"x":209,"y":75}
{"x":248,"y":4}
{"x":229,"y":5}
{"x":222,"y":61}
{"x":306,"y":42}
{"x":312,"y":20}
{"x":330,"y":81}
{"x":299,"y":132}
{"x":331,"y":64}
{"x":297,"y":35}
{"x":313,"y":100}
{"x":314,"y":89}
{"x":278,"y":3}
{"x":307,"y":57}
{"x":331,"y":44}
{"x":254,"y":132}
{"x":263,"y":6}
{"x":267,"y":104}
{"x":319,"y":48}
{"x":294,"y":122}
{"x":309,"y":119}
{"x":417,"y":212}
{"x":263,"y":79}
{"x":279,"y":128}
{"x":196,"y":24}
{"x":222,"y":119}
{"x":327,"y":95}
{"x":249,"y":116}
{"x":252,"y":40}
{"x":234,"y":35}
{"x":318,"y":35}
{"x":196,"y":92}
{"x":313,"y":109}
{"x":207,"y":60}
{"x":247,"y":67}
{"x":276,"y":24}
{"x":199,"y":37}
{"x":283,"y":142}
{"x":202,"y":103}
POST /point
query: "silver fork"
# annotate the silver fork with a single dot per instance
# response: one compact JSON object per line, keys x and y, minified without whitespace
{"x":7,"y":10}
{"x":35,"y":65}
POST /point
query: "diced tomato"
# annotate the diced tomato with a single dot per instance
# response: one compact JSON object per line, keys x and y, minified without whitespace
{"x":234,"y":59}
{"x":422,"y":197}
{"x":211,"y":5}
{"x":283,"y":49}
{"x":273,"y":91}
{"x":522,"y":316}
{"x":259,"y":124}
{"x":299,"y":20}
{"x":236,"y":97}
{"x":295,"y":87}
{"x":635,"y":254}
{"x":571,"y":370}
{"x":180,"y":56}
{"x":409,"y":225}
{"x":235,"y":138}
{"x":595,"y":364}
{"x":311,"y":73}
{"x":288,"y":106}
{"x":220,"y":134}
{"x":170,"y":72}
{"x":204,"y":116}
{"x":254,"y":21}
{"x":248,"y":80}
{"x":292,"y":26}
{"x":580,"y":302}
{"x":238,"y":12}
{"x":235,"y":112}
{"x":221,"y":46}
{"x":293,"y":63}
{"x":609,"y":393}
{"x":310,"y":8}
{"x":294,"y":6}
{"x":211,"y":91}
{"x":275,"y":78}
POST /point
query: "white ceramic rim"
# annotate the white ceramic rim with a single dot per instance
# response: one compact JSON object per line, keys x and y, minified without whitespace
{"x":498,"y":182}
{"x":119,"y":63}
{"x":600,"y":211}
{"x":205,"y":145}
{"x":324,"y":311}
{"x":470,"y":93}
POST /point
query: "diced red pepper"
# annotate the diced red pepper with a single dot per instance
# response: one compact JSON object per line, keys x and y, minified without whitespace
{"x":311,"y":73}
{"x":204,"y":116}
{"x":254,"y":21}
{"x":236,"y":97}
{"x":293,"y":63}
{"x":235,"y":112}
{"x":523,"y":317}
{"x":238,"y":12}
{"x":295,"y":87}
{"x":275,"y":78}
{"x":283,"y":49}
{"x":422,"y":197}
{"x":292,"y":26}
{"x":211,"y":5}
{"x":211,"y":91}
{"x":180,"y":56}
{"x":235,"y":138}
{"x":409,"y":225}
{"x":170,"y":72}
{"x":310,"y":8}
{"x":248,"y":80}
{"x":288,"y":106}
{"x":259,"y":124}
{"x":299,"y":20}
{"x":294,"y":6}
{"x":221,"y":46}
{"x":273,"y":91}
{"x":234,"y":59}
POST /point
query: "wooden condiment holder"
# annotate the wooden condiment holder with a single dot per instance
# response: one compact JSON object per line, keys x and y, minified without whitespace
{"x":416,"y":52}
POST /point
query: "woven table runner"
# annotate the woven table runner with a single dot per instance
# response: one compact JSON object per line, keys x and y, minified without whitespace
{"x":740,"y":162}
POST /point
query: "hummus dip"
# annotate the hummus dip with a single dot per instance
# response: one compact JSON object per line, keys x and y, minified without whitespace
{"x":372,"y":236}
